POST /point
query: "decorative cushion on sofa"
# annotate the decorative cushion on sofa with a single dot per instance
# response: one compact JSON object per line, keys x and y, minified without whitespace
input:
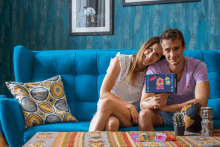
{"x":42,"y":102}
{"x":192,"y":117}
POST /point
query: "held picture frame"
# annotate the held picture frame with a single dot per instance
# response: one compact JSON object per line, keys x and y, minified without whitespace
{"x":93,"y":17}
{"x":149,"y":2}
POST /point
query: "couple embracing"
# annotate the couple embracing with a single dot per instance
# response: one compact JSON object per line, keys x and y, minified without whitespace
{"x":123,"y":89}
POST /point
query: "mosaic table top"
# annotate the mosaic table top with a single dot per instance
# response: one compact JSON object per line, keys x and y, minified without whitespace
{"x":119,"y":139}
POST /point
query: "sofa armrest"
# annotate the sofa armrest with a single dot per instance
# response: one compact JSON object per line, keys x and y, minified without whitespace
{"x":23,"y":63}
{"x":1,"y":131}
{"x":12,"y":121}
{"x":3,"y":96}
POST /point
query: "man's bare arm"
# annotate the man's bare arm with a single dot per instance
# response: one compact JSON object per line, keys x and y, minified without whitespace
{"x":152,"y":100}
{"x":201,"y":96}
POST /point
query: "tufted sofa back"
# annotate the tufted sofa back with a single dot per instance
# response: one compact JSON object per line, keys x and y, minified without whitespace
{"x":82,"y":72}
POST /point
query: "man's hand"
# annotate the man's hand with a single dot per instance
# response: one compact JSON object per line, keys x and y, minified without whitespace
{"x":158,"y":100}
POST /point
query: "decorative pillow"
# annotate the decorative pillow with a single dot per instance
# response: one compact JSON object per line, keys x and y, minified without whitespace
{"x":192,"y":117}
{"x":42,"y":102}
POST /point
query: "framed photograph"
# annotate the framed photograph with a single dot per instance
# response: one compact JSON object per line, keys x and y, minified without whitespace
{"x":148,"y":2}
{"x":90,"y":17}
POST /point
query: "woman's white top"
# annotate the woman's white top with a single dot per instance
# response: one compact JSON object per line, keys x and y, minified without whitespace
{"x":122,"y":88}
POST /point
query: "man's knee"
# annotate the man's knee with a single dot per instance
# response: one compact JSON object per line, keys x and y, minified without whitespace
{"x":146,"y":120}
{"x":112,"y":123}
{"x":146,"y":113}
{"x":150,"y":116}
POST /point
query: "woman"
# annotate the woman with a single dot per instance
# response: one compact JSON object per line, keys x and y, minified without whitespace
{"x":121,"y":88}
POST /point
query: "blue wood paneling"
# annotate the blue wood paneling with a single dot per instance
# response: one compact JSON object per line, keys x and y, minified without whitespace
{"x":44,"y":25}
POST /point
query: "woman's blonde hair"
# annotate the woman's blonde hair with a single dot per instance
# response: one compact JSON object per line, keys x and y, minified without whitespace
{"x":137,"y":59}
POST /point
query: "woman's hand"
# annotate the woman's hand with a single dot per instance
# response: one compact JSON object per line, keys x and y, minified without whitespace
{"x":158,"y":100}
{"x":134,"y":113}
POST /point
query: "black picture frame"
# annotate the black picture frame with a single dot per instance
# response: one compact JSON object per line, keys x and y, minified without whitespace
{"x":150,"y":2}
{"x":93,"y":17}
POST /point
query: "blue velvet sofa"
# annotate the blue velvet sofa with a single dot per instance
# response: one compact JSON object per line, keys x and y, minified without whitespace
{"x":82,"y":72}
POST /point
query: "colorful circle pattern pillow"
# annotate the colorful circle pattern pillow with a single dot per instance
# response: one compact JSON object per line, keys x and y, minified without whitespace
{"x":42,"y":102}
{"x":192,"y":117}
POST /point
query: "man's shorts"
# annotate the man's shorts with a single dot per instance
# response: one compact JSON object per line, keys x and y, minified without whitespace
{"x":167,"y":117}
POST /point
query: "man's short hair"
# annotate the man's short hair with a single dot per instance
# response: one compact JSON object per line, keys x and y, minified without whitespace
{"x":172,"y":34}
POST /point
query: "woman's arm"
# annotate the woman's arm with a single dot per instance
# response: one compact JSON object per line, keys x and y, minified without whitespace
{"x":109,"y":81}
{"x":145,"y":99}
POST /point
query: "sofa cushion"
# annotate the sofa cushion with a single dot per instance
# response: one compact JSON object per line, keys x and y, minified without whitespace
{"x":42,"y":102}
{"x":58,"y":127}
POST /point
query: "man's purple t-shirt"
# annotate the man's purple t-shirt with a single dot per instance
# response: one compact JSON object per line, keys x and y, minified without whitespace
{"x":195,"y":71}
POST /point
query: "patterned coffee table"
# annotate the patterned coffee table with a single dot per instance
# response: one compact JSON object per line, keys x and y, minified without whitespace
{"x":117,"y":139}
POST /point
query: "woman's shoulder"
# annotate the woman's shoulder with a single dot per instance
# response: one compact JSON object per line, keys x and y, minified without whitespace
{"x":124,"y":59}
{"x":120,"y":60}
{"x":115,"y":61}
{"x":114,"y":64}
{"x":121,"y":56}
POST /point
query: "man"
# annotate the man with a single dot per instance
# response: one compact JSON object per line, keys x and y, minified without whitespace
{"x":192,"y":83}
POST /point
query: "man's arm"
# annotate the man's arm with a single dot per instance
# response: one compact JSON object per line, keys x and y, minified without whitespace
{"x":153,"y":100}
{"x":201,"y":96}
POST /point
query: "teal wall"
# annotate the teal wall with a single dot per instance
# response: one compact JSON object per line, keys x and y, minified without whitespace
{"x":44,"y":25}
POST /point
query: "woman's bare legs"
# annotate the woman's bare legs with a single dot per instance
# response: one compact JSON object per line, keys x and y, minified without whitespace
{"x":107,"y":108}
{"x":112,"y":124}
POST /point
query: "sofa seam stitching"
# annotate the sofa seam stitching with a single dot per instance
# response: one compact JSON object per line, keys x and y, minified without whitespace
{"x":32,"y":68}
{"x":75,"y":81}
{"x":97,"y":75}
{"x":202,"y":57}
{"x":53,"y":65}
